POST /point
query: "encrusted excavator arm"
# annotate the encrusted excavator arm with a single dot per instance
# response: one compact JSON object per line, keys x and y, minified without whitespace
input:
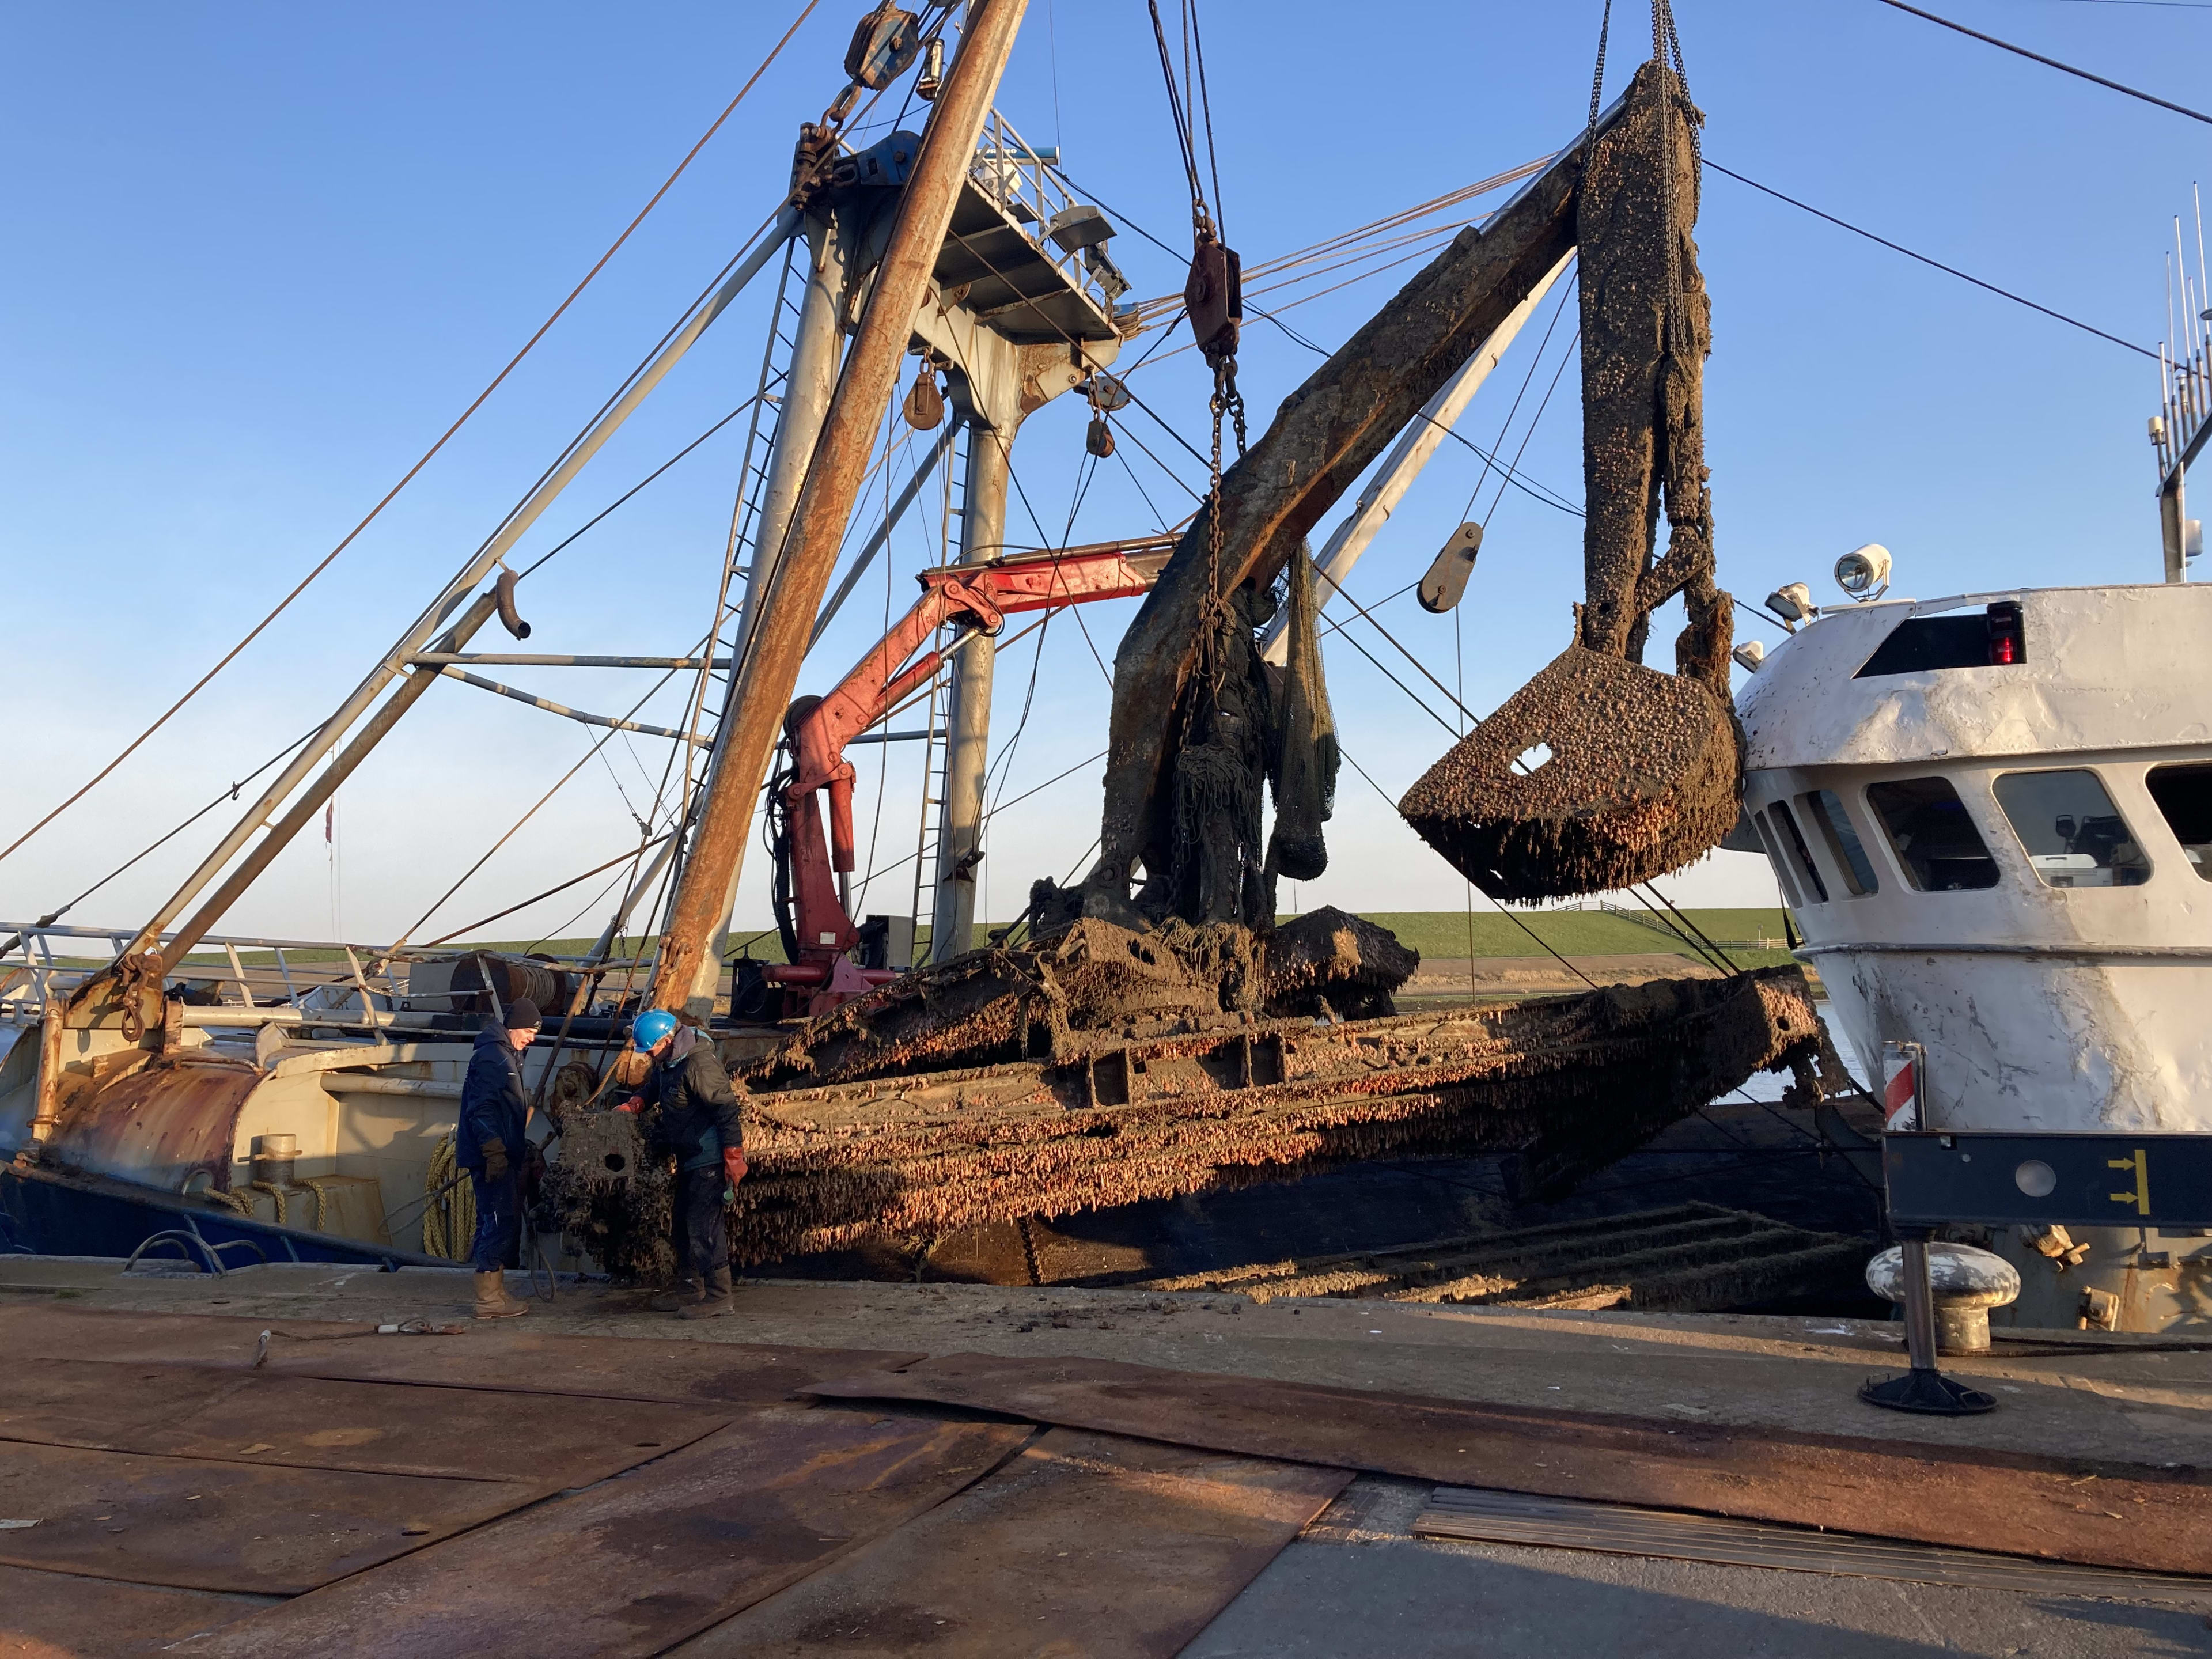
{"x":1643,"y":355}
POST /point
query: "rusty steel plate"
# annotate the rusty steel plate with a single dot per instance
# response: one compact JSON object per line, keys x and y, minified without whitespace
{"x":1133,"y":1544}
{"x":637,"y":1564}
{"x":2106,"y":1514}
{"x":58,"y":1615}
{"x":203,"y":1525}
{"x":542,"y":1441}
{"x":509,"y":1357}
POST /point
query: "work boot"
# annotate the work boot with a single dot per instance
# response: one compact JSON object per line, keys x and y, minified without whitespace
{"x":715,"y":1301}
{"x":492,"y":1300}
{"x":677,"y":1297}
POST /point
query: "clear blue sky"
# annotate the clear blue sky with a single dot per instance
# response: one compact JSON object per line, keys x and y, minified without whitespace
{"x":262,"y":254}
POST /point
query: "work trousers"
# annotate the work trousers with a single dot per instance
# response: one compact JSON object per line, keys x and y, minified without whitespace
{"x":702,"y":1235}
{"x":499,"y":1221}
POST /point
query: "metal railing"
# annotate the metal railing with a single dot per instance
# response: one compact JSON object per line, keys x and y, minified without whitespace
{"x":1023,"y":180}
{"x":360,"y":988}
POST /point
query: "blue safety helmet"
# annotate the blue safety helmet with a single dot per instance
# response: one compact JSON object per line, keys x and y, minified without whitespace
{"x":650,"y":1027}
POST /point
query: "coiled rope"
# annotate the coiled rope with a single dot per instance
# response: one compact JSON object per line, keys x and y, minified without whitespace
{"x":449,"y":1210}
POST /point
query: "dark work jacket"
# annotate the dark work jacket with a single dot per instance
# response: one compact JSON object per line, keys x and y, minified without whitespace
{"x":493,"y":1104}
{"x":698,"y":1118}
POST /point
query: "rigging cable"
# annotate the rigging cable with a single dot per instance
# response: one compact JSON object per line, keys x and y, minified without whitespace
{"x":2051,"y":63}
{"x":1952,"y":270}
{"x":331,"y":557}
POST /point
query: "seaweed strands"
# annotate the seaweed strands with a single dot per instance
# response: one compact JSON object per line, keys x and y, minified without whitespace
{"x":1565,"y":1085}
{"x":1640,"y":779}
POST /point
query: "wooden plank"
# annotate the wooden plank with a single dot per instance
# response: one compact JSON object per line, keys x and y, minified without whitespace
{"x":51,"y":1615}
{"x":1090,"y":1543}
{"x":2098,"y":1514}
{"x":219,"y":1525}
{"x":635,"y":1565}
{"x":542,"y":1441}
{"x":511,"y":1357}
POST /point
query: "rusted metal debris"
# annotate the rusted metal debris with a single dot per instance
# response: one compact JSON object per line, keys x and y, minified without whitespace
{"x":1565,"y":1085}
{"x":1685,"y":1258}
{"x":2145,"y":1519}
{"x":1090,"y":984}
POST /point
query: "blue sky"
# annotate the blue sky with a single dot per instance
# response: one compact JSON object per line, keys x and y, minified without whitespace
{"x":263,"y":254}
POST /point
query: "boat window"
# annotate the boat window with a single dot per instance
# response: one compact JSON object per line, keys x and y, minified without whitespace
{"x":1826,"y":809}
{"x":1766,"y":833}
{"x":2184,"y":793}
{"x":1936,"y":841}
{"x":1994,"y":639}
{"x":2075,"y":836}
{"x":1804,"y":854}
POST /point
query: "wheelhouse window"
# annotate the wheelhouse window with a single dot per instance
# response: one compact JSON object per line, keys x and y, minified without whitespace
{"x":1775,"y":857}
{"x":1935,"y":840}
{"x":1793,"y":838}
{"x":1833,"y":825}
{"x":2073,"y":835}
{"x":2184,"y":794}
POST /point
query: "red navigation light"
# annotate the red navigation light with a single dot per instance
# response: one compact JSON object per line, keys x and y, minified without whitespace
{"x":2007,"y":642}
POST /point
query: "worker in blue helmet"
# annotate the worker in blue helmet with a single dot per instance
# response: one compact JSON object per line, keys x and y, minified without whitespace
{"x":697,"y":1123}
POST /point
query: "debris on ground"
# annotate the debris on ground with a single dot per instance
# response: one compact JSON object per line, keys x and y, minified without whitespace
{"x":1062,"y":996}
{"x":1685,"y":1258}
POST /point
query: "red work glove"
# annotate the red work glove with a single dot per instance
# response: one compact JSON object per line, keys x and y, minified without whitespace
{"x":635,"y":1104}
{"x":733,"y":1170}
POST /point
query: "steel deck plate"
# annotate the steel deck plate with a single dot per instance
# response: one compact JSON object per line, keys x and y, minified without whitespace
{"x":543,"y":1441}
{"x":634,"y":1565}
{"x":54,"y":1615}
{"x":509,"y":1357}
{"x":2110,"y":1515}
{"x":1512,"y":1517}
{"x":1090,"y":1543}
{"x":201,"y":1525}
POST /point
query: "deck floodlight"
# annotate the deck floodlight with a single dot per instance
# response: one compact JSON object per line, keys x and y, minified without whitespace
{"x":1750,"y":656}
{"x":1793,"y":604}
{"x":1863,"y":573}
{"x":1078,"y":225}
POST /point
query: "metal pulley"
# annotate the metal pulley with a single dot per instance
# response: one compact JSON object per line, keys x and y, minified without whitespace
{"x":1213,"y":295}
{"x":924,"y":407}
{"x":887,"y":40}
{"x":1446,"y":580}
{"x":1098,"y":439}
{"x":933,"y":70}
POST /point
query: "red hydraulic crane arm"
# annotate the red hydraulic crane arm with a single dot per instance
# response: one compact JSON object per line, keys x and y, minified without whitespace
{"x":983,"y":595}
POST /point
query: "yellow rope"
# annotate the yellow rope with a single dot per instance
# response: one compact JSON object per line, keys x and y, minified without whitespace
{"x":449,"y":1219}
{"x":274,"y":1192}
{"x":317,"y":1185}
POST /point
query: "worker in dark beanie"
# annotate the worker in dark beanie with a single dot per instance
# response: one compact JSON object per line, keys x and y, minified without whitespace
{"x":488,"y":1142}
{"x":697,"y":1123}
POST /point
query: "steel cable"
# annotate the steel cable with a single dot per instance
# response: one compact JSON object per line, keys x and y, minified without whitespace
{"x":496,"y":381}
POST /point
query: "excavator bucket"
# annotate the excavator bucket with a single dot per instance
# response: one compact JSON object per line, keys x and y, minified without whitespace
{"x":1597,"y":773}
{"x":1600,"y":772}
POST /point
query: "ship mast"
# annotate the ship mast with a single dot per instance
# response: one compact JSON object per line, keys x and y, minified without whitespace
{"x":778,"y":628}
